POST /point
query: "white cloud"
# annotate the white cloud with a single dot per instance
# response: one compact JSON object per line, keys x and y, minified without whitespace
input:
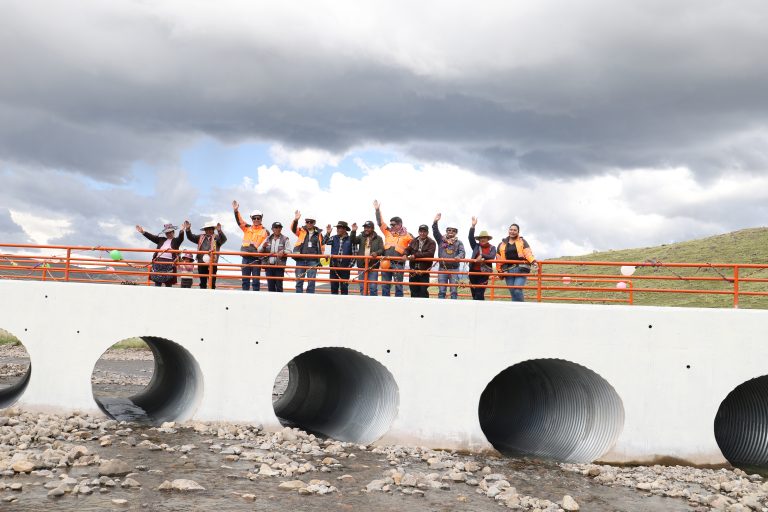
{"x":558,"y":217}
{"x":307,"y":159}
{"x":41,"y":229}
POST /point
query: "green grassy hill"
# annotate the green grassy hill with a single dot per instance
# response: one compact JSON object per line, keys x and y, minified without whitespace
{"x":745,"y":246}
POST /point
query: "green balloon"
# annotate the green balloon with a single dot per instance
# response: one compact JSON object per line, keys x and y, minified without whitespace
{"x":116,"y":255}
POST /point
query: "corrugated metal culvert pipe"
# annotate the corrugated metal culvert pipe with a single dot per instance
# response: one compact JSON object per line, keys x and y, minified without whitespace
{"x":339,"y":393}
{"x":173,"y":393}
{"x":551,"y":409}
{"x":12,"y":385}
{"x":741,"y":424}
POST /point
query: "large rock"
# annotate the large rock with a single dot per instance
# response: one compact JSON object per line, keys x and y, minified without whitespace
{"x":569,"y":504}
{"x":23,"y":466}
{"x":114,"y":468}
{"x":291,"y":485}
{"x":183,"y":484}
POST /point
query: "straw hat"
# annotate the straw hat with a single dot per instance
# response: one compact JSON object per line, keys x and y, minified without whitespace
{"x":483,"y":234}
{"x":208,"y":225}
{"x":168,"y":228}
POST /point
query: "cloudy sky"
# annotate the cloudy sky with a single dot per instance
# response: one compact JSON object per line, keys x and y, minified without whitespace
{"x":595,"y":124}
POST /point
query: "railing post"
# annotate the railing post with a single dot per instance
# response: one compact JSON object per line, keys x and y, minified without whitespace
{"x":735,"y":286}
{"x":492,"y":282}
{"x":210,"y":269}
{"x":631,"y":292}
{"x":66,"y":266}
{"x":366,"y":276}
{"x":539,"y":273}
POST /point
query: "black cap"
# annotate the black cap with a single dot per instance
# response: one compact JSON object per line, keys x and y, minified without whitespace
{"x":424,"y":227}
{"x":368,"y":224}
{"x":276,"y":225}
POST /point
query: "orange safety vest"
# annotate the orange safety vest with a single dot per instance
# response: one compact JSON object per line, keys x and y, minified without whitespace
{"x":252,"y":235}
{"x":398,"y":242}
{"x":523,"y":252}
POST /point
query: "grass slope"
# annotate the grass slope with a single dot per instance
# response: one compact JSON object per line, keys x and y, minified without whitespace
{"x":745,"y":246}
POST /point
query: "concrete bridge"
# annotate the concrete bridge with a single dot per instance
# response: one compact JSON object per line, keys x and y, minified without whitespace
{"x":567,"y":382}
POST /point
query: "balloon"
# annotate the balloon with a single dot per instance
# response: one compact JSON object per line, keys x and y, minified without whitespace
{"x":627,"y":270}
{"x":385,"y":265}
{"x":566,"y":280}
{"x":116,"y":255}
{"x":621,"y":285}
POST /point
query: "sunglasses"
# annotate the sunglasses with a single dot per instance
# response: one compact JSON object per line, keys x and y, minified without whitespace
{"x":310,"y":221}
{"x":256,"y":216}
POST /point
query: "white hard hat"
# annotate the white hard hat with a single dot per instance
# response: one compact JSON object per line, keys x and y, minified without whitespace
{"x":256,"y":212}
{"x":309,"y":217}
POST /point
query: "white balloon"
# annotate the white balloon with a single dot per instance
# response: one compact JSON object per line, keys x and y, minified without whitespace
{"x":621,"y":285}
{"x":566,"y":280}
{"x":627,"y":270}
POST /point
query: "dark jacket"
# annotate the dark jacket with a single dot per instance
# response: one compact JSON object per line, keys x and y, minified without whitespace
{"x":427,"y":251}
{"x":175,"y":243}
{"x":219,"y":237}
{"x":308,"y":243}
{"x":446,"y":250}
{"x":484,"y":267}
{"x":358,"y":242}
{"x":340,"y":246}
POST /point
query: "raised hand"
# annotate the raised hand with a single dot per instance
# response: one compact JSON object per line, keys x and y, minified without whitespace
{"x":139,"y":229}
{"x":328,"y":228}
{"x":354,"y":226}
{"x":376,"y":204}
{"x":218,"y":227}
{"x":438,"y":216}
{"x":186,"y":225}
{"x":474,"y":221}
{"x":235,"y":205}
{"x":297,"y":215}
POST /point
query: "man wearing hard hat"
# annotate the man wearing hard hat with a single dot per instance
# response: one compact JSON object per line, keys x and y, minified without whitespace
{"x":254,"y":236}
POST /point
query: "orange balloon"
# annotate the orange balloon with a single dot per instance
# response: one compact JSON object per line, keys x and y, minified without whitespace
{"x":385,"y":264}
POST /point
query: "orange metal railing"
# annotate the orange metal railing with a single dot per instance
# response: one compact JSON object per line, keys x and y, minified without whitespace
{"x":548,"y":281}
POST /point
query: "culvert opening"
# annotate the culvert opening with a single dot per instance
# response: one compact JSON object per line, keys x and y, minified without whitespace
{"x":147,"y":380}
{"x":741,"y":424}
{"x":551,"y":409}
{"x":15,"y":369}
{"x":338,"y":393}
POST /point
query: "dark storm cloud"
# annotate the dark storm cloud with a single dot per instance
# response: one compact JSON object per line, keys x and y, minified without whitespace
{"x":94,"y":89}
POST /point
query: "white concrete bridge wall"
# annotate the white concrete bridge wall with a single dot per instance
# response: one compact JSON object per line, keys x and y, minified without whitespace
{"x":441,"y":354}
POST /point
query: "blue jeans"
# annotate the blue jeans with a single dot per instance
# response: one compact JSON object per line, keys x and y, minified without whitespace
{"x":251,"y":272}
{"x":448,"y":279}
{"x":516,"y":293}
{"x":301,"y":273}
{"x":371,"y":275}
{"x":393,"y":276}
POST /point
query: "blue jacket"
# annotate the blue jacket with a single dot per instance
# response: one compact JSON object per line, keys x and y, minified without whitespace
{"x":341,"y":246}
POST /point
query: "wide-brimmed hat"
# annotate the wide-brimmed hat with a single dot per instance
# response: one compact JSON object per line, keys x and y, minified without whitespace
{"x":169,"y":227}
{"x":342,"y":224}
{"x":208,"y":225}
{"x":483,"y":234}
{"x":187,"y":255}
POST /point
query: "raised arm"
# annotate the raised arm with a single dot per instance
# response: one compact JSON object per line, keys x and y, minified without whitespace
{"x":379,"y":220}
{"x":435,"y":230}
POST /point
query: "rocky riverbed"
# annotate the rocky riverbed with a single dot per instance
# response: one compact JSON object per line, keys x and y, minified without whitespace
{"x":80,"y":461}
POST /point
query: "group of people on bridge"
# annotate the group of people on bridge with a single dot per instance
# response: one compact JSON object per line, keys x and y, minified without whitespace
{"x":376,"y":256}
